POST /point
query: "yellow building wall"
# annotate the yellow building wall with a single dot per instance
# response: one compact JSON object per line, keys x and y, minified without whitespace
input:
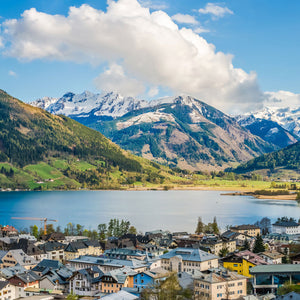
{"x":240,"y":268}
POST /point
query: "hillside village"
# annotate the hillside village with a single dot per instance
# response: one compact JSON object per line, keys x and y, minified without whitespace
{"x":260,"y":261}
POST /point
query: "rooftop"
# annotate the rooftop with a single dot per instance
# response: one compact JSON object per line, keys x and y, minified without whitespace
{"x":280,"y":268}
{"x":189,"y":254}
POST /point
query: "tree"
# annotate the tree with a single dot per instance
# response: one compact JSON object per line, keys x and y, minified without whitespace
{"x":285,"y":259}
{"x":34,"y":230}
{"x":79,"y":229}
{"x":258,"y":245}
{"x":50,"y":228}
{"x":223,"y":252}
{"x":102,"y":228}
{"x":246,"y":245}
{"x":200,"y":226}
{"x":132,"y":230}
{"x":215,"y":227}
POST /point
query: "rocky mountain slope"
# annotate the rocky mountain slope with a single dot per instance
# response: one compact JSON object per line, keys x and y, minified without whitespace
{"x":268,"y":130}
{"x":36,"y":146}
{"x":288,"y":118}
{"x":178,"y":131}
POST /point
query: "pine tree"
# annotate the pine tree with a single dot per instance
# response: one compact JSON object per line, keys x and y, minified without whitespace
{"x":258,"y":245}
{"x":200,"y":226}
{"x":246,"y":245}
{"x":215,"y":227}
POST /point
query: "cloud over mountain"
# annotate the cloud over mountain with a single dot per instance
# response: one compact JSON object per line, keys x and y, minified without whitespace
{"x":148,"y":47}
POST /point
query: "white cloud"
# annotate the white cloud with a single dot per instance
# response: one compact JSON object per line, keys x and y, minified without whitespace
{"x":282,"y":99}
{"x":157,"y":5}
{"x":12,"y":73}
{"x":115,"y":79}
{"x":153,"y":91}
{"x":200,"y":30}
{"x":148,"y":46}
{"x":185,"y":19}
{"x":215,"y":10}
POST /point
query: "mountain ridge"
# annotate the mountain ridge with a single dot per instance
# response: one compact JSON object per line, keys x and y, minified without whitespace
{"x":179,"y":131}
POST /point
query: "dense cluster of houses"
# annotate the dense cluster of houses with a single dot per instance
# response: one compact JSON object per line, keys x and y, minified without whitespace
{"x":122,"y":268}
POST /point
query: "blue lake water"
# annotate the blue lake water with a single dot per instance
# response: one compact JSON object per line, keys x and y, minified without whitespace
{"x":146,"y":210}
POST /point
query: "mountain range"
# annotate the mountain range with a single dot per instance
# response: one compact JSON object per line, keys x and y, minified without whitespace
{"x":39,"y":150}
{"x":179,"y":131}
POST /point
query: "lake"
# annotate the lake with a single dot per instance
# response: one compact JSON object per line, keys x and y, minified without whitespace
{"x":146,"y":210}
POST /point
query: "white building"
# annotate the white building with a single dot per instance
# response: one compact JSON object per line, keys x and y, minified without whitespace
{"x":286,"y":227}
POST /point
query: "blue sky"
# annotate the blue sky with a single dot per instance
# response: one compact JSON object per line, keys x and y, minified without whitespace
{"x":261,"y":35}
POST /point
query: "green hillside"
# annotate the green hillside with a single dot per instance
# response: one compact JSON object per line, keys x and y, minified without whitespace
{"x":42,"y":151}
{"x":287,"y":158}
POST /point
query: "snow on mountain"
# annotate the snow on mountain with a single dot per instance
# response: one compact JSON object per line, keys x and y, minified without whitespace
{"x":44,"y":102}
{"x":88,"y":104}
{"x":288,"y":118}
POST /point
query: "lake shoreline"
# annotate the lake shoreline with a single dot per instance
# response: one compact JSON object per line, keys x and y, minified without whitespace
{"x":236,"y":191}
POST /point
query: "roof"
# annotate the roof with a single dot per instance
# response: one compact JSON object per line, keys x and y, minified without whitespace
{"x":9,"y":228}
{"x":93,"y":260}
{"x":219,"y":275}
{"x":286,"y":224}
{"x":3,"y":284}
{"x":75,"y":246}
{"x":272,"y":254}
{"x":189,"y":254}
{"x":120,"y":295}
{"x":244,"y":227}
{"x":51,"y":246}
{"x":28,"y":276}
{"x":22,"y":258}
{"x":11,"y":271}
{"x":90,"y":273}
{"x":49,"y":264}
{"x":251,"y":257}
{"x":276,"y":268}
{"x":120,"y":275}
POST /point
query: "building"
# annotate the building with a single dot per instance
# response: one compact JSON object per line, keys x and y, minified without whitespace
{"x":219,"y":284}
{"x":286,"y":227}
{"x":295,"y":259}
{"x":9,"y":231}
{"x":107,"y":264}
{"x":215,"y":245}
{"x":24,"y":281}
{"x":115,"y":280}
{"x":120,"y":295}
{"x":54,"y":250}
{"x":14,"y":257}
{"x":270,"y":277}
{"x":188,"y":260}
{"x":272,"y":257}
{"x":7,"y":291}
{"x":125,"y":253}
{"x":242,"y":262}
{"x":239,"y":238}
{"x":148,"y":278}
{"x":251,"y":230}
{"x":76,"y":249}
{"x":86,"y":282}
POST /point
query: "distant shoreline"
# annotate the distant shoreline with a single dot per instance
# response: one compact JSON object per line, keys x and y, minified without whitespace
{"x":232,"y":191}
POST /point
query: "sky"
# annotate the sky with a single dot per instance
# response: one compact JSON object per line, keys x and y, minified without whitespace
{"x":235,"y":55}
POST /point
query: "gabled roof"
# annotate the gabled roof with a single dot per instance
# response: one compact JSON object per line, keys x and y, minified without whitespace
{"x":89,"y":273}
{"x":75,"y":246}
{"x":28,"y":276}
{"x":2,"y":254}
{"x":47,"y":264}
{"x":189,"y":254}
{"x":120,"y":275}
{"x":52,"y":246}
{"x":22,"y":258}
{"x":3,"y":284}
{"x":11,"y":271}
{"x":244,"y":227}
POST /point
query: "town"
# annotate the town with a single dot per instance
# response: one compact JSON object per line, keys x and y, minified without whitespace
{"x":248,"y":261}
